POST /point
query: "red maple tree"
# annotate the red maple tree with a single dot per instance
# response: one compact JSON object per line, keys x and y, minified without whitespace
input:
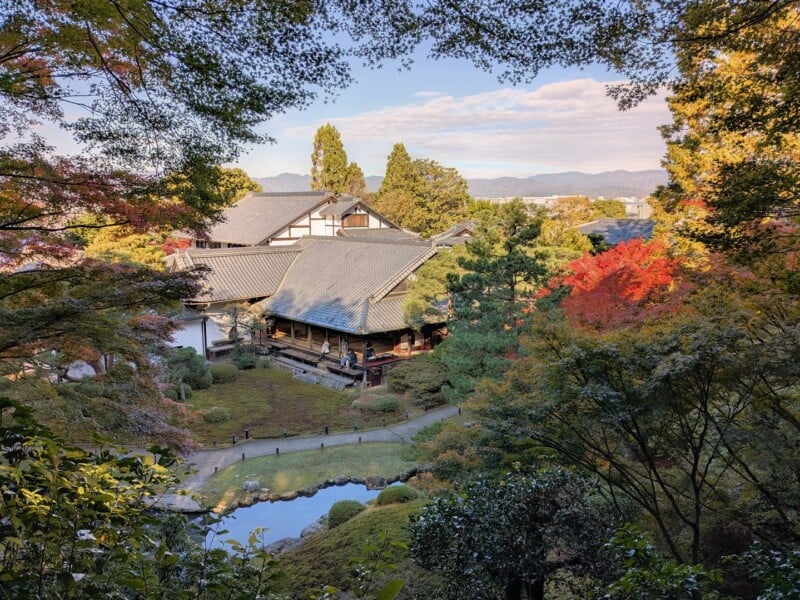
{"x":630,"y":282}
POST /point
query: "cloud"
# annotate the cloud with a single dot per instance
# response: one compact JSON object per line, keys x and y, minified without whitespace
{"x":569,"y":125}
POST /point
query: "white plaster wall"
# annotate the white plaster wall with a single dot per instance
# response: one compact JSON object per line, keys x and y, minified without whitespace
{"x":319,"y":226}
{"x":189,"y":335}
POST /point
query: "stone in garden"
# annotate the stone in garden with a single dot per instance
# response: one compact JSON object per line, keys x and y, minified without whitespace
{"x":375,"y":482}
{"x":251,"y":486}
{"x":341,"y":479}
{"x":312,"y":528}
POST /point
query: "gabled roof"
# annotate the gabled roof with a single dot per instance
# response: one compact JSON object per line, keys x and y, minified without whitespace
{"x":616,"y":231}
{"x":341,"y":206}
{"x":457,"y":234}
{"x":344,"y":284}
{"x":237,"y":273}
{"x":257,"y":217}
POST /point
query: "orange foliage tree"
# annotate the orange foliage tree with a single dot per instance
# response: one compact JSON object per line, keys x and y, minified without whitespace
{"x":630,"y":282}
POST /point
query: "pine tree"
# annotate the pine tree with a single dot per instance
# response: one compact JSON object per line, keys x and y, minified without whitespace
{"x":401,"y":183}
{"x":329,"y":170}
{"x":355,"y":184}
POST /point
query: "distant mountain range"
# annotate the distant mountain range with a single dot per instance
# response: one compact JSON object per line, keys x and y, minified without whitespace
{"x":610,"y":184}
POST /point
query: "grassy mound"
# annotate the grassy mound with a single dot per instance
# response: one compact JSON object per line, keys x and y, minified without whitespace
{"x":396,"y":494}
{"x":329,"y":557}
{"x":342,"y":511}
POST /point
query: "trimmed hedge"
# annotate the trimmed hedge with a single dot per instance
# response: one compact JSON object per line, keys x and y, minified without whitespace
{"x":342,"y":511}
{"x":223,"y":373}
{"x":217,"y":414}
{"x":381,"y":404}
{"x":396,"y":494}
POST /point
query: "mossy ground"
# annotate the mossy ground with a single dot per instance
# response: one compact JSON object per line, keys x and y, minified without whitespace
{"x":296,"y":471}
{"x":268,"y":401}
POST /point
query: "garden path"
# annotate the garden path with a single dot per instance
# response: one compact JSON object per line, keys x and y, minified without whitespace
{"x":203,"y":462}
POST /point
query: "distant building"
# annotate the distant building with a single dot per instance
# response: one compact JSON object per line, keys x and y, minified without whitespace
{"x":615,"y":231}
{"x":460,"y":233}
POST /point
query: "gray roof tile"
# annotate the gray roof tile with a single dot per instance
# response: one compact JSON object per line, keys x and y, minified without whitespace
{"x":257,"y":217}
{"x":341,"y":206}
{"x":238,"y":273}
{"x":341,"y":283}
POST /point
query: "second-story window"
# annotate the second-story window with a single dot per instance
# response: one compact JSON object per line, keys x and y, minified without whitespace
{"x":359,"y":220}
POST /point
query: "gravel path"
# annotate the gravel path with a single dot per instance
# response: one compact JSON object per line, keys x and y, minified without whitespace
{"x":203,"y":462}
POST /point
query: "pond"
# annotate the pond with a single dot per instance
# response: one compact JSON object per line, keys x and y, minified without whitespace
{"x":285,"y":518}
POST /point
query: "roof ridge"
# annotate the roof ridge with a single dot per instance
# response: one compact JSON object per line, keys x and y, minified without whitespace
{"x":277,"y":194}
{"x":364,"y":240}
{"x":239,"y":250}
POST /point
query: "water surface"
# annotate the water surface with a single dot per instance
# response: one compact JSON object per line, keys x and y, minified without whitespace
{"x":285,"y":518}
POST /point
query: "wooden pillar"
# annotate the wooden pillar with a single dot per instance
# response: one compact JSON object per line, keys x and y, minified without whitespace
{"x":310,"y":339}
{"x":291,"y":330}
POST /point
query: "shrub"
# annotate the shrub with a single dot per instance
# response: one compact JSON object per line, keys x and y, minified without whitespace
{"x":174,"y":393}
{"x":187,"y":365}
{"x":216,"y":414}
{"x":396,"y":494}
{"x":343,"y":511}
{"x":381,"y":404}
{"x":244,"y":357}
{"x":422,"y":378}
{"x":223,"y":373}
{"x":199,"y":381}
{"x":263,"y":363}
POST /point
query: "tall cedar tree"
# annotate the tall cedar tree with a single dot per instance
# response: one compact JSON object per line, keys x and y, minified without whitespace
{"x":329,"y":171}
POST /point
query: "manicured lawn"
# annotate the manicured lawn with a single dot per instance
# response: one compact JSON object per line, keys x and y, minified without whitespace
{"x":295,"y":471}
{"x":267,"y":401}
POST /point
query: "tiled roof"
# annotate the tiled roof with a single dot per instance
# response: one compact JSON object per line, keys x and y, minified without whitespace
{"x":384,"y":233}
{"x":457,"y":234}
{"x":237,"y":273}
{"x":257,"y":217}
{"x":341,"y":206}
{"x":342,"y":283}
{"x":616,"y":231}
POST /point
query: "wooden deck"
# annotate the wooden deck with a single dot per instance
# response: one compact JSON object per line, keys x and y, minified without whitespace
{"x":311,"y":374}
{"x":301,"y":355}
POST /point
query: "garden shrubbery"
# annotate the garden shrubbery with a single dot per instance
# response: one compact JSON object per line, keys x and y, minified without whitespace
{"x":174,"y":393}
{"x":223,"y":373}
{"x":184,"y":364}
{"x":343,"y":511}
{"x":421,"y":378}
{"x":217,"y":414}
{"x":396,"y":494}
{"x":379,"y":404}
{"x":244,"y":357}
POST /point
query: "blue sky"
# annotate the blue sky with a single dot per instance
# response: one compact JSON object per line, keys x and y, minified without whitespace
{"x":461,"y":117}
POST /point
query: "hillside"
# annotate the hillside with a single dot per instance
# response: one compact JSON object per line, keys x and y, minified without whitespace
{"x":609,"y":184}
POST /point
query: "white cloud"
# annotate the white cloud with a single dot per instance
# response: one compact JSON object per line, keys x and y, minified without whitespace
{"x":569,"y":125}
